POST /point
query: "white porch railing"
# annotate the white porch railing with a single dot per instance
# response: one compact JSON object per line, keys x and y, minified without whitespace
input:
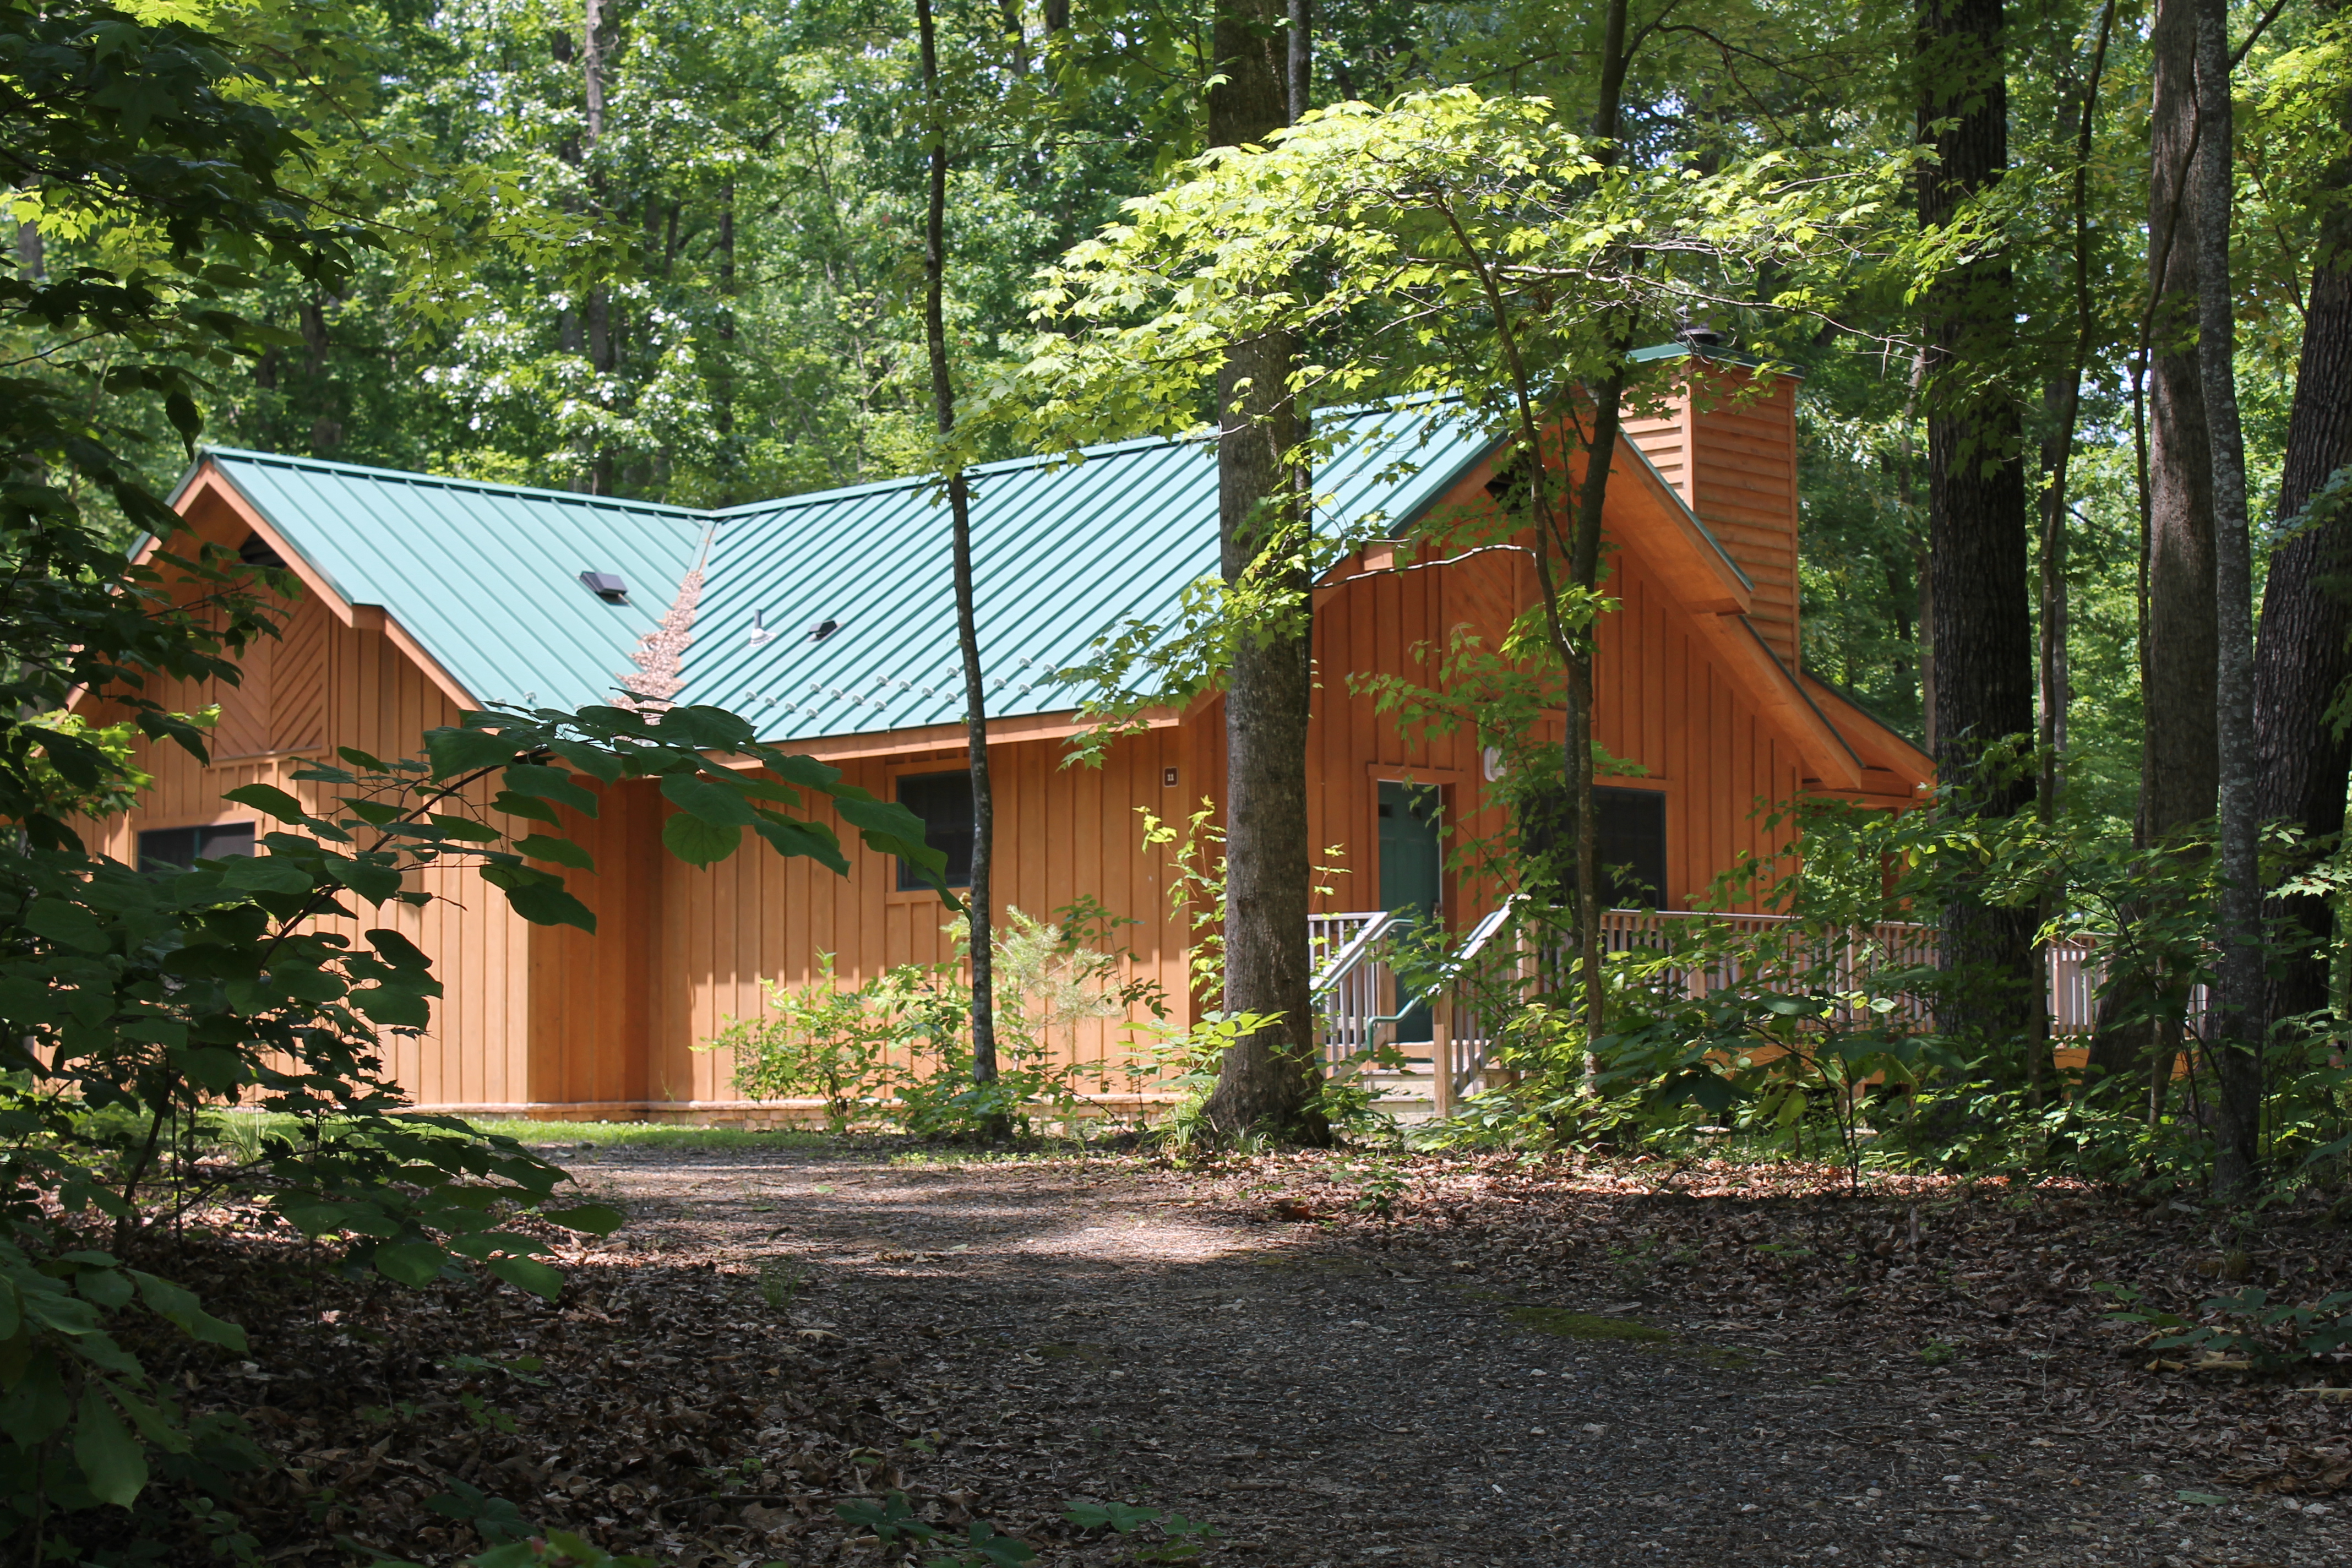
{"x":1358,"y":1003}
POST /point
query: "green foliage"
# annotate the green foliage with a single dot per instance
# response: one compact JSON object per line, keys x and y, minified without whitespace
{"x":839,"y":1044}
{"x":896,"y":1047}
{"x":2264,"y":1335}
{"x":893,"y":1520}
{"x":1180,"y":1539}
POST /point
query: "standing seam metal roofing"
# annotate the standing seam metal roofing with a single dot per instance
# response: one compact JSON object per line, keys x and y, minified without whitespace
{"x":485,"y":576}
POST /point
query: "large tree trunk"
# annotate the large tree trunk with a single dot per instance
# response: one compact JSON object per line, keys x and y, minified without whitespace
{"x":2238,"y":967}
{"x":1983,"y":635}
{"x":2065,"y":400}
{"x":978,"y":913}
{"x":2179,"y":756}
{"x":600,"y":42}
{"x":2303,"y":658}
{"x":1270,"y":1079}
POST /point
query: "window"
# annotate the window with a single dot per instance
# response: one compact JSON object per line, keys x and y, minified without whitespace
{"x":177,"y":848}
{"x":1633,"y":834}
{"x":944,"y":803}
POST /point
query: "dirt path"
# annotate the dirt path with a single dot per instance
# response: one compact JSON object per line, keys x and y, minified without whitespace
{"x":1059,"y":1331}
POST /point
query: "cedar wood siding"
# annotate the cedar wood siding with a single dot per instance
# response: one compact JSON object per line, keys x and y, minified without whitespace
{"x":1730,"y":451}
{"x":355,"y":689}
{"x":554,"y":1018}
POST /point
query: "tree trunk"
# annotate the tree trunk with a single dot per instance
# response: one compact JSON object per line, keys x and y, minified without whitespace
{"x":2179,"y":756}
{"x":2066,"y":401}
{"x":2237,"y":1154}
{"x":2180,"y":765}
{"x":2303,"y":658}
{"x":1300,"y":59}
{"x":979,"y":908}
{"x":1977,"y":513}
{"x":1270,"y":1080}
{"x":723,"y":373}
{"x":599,"y":39}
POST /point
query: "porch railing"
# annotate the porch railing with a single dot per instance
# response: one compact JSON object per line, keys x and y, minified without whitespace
{"x":1360,"y":1001}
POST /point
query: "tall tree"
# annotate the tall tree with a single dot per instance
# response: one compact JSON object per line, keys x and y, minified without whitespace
{"x":2180,"y":755}
{"x":2303,"y":655}
{"x":1584,"y":567}
{"x":2238,"y":909}
{"x":1270,"y":1080}
{"x":1975,"y":501}
{"x":978,"y":907}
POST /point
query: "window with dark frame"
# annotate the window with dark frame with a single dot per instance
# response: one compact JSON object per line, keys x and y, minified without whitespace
{"x":1633,"y":834}
{"x":177,"y":848}
{"x":944,"y":803}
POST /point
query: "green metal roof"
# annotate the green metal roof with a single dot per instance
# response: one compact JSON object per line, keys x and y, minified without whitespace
{"x":487,"y":577}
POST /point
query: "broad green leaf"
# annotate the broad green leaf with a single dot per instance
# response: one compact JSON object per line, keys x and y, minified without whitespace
{"x":397,"y":950}
{"x":109,"y":1288}
{"x":704,"y":728}
{"x":398,"y":1007}
{"x":179,"y":1305}
{"x":111,"y":1460}
{"x":523,"y":806}
{"x":410,"y":1262}
{"x":455,"y":751}
{"x":596,"y":763}
{"x":529,"y":1274}
{"x":555,"y":851}
{"x":265,"y":798}
{"x":36,"y":1404}
{"x":465,"y":828}
{"x":67,"y":925}
{"x":550,"y":784}
{"x":696,"y":842}
{"x":596,"y":1219}
{"x":788,"y":836}
{"x":708,"y":799}
{"x":545,"y":903}
{"x":265,"y":874}
{"x":371,"y":882}
{"x":54,"y":1309}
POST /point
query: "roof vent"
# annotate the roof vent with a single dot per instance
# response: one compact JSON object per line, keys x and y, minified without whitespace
{"x":605,"y":586}
{"x":821,"y":630}
{"x":1700,"y":336}
{"x":256,"y":552}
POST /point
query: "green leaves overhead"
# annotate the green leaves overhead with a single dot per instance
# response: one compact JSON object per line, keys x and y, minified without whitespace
{"x":1414,"y":223}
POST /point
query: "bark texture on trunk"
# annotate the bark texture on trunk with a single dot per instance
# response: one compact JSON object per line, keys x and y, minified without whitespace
{"x":1979,"y":531}
{"x":2302,"y":655}
{"x":979,"y":908}
{"x":1299,"y":58}
{"x":2237,"y":1154}
{"x":2180,"y":766}
{"x":1270,"y":1080}
{"x":2180,"y":774}
{"x":600,"y":39}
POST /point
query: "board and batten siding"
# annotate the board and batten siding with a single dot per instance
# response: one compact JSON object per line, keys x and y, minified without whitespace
{"x":1063,"y":833}
{"x":557,"y":1021}
{"x":1730,"y":449}
{"x":361,"y":692}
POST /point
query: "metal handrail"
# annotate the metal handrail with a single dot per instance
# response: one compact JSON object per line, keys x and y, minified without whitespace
{"x":1358,"y":945}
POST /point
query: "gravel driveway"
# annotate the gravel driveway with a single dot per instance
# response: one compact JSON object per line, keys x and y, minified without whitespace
{"x":1107,"y":1331}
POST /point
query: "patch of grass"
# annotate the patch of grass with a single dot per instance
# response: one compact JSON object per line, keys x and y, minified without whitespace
{"x":644,"y":1134}
{"x":1939,"y":1353}
{"x":781,"y":1279}
{"x":1562,"y":1323}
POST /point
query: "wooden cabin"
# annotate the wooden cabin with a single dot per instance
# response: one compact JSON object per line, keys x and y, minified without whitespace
{"x":828,"y":620}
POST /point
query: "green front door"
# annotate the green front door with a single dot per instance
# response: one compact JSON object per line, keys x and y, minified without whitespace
{"x":1413,"y":865}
